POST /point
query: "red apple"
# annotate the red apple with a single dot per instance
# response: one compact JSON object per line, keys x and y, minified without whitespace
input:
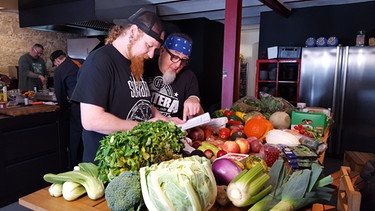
{"x":221,"y":153}
{"x":244,"y":145}
{"x":256,"y":145}
{"x":251,"y":138}
{"x":231,"y":146}
{"x":209,"y":153}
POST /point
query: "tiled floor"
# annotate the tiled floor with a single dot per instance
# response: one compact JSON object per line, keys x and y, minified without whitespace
{"x":330,"y":165}
{"x":14,"y":207}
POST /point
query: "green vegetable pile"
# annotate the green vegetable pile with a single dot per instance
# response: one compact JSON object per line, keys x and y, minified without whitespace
{"x":274,"y":104}
{"x":146,"y":144}
{"x":247,"y":104}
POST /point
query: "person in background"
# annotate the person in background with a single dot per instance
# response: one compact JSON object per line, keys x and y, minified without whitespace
{"x":65,"y":80}
{"x":32,"y":70}
{"x":110,"y":89}
{"x":174,"y":87}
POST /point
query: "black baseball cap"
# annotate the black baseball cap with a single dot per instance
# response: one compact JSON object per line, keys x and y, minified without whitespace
{"x":147,"y":21}
{"x":56,"y":54}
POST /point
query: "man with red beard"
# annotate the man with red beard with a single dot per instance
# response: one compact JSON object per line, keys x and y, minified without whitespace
{"x":174,"y":87}
{"x":110,"y":89}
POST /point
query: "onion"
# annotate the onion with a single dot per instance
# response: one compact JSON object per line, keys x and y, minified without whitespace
{"x":225,"y":170}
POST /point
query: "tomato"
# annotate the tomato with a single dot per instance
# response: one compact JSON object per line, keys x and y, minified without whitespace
{"x":224,"y":133}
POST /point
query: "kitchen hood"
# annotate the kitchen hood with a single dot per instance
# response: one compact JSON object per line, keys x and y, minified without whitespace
{"x":84,"y":17}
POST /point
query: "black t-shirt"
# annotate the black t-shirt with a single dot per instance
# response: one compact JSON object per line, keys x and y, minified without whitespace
{"x":65,"y":79}
{"x":169,"y":99}
{"x":105,"y":80}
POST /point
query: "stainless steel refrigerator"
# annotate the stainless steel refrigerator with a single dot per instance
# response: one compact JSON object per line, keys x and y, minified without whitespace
{"x":343,"y":79}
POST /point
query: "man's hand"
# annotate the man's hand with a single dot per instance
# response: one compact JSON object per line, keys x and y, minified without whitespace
{"x":43,"y":79}
{"x":192,"y":107}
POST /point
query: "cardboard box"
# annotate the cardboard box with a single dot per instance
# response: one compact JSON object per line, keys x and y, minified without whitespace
{"x":307,"y":119}
{"x":272,"y":52}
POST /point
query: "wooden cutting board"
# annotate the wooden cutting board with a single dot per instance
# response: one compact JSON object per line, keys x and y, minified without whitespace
{"x":24,"y":110}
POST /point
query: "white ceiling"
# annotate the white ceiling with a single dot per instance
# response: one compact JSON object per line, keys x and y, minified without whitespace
{"x":211,"y":9}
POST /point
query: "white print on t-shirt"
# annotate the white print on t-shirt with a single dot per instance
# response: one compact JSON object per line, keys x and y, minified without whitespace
{"x":141,"y":111}
{"x":163,"y":97}
{"x":138,"y":89}
{"x":37,"y":68}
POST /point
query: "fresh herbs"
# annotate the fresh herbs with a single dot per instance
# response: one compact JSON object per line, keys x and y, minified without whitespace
{"x":146,"y":144}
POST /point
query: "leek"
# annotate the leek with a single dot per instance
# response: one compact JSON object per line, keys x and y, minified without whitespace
{"x":278,"y":176}
{"x":302,"y":188}
{"x":248,"y":187}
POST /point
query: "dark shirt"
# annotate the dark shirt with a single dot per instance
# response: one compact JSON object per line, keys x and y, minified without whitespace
{"x":169,"y":99}
{"x":29,"y":70}
{"x":105,"y":80}
{"x":65,"y":79}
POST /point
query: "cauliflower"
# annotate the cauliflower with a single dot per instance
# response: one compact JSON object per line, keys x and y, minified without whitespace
{"x":124,"y":192}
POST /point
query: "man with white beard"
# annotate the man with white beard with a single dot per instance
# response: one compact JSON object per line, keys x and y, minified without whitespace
{"x":174,"y":87}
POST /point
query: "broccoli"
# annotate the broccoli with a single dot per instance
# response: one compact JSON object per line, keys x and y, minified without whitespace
{"x":124,"y":192}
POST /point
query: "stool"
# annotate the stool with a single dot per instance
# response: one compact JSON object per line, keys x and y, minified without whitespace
{"x":356,"y":160}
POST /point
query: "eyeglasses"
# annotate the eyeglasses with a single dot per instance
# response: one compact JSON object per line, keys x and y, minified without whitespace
{"x":39,"y":53}
{"x":174,"y":58}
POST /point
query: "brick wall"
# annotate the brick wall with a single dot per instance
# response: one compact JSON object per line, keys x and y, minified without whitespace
{"x":15,"y":41}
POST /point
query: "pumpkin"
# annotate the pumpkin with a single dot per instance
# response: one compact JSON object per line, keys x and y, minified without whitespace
{"x":258,"y":127}
{"x":280,"y":120}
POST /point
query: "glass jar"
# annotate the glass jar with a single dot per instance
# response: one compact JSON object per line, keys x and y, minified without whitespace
{"x":360,"y":40}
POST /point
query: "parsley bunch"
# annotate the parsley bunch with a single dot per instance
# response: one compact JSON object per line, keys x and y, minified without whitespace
{"x":146,"y":144}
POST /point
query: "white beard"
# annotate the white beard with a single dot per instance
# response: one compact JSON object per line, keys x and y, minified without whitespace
{"x":168,"y":77}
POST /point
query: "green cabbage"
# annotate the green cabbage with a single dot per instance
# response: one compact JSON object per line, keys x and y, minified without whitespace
{"x":181,"y":184}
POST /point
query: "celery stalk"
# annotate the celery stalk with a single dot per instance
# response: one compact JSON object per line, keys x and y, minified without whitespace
{"x":243,"y":190}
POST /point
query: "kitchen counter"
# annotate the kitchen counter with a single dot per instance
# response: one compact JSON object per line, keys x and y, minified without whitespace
{"x":33,"y":142}
{"x":25,"y":110}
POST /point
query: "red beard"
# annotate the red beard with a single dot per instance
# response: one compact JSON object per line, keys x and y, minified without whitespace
{"x":136,"y":66}
{"x":136,"y":63}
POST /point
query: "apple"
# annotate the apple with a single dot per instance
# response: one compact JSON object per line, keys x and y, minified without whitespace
{"x":221,"y":153}
{"x":244,"y":145}
{"x":256,"y":145}
{"x":251,"y":138}
{"x":231,"y":146}
{"x":209,"y":153}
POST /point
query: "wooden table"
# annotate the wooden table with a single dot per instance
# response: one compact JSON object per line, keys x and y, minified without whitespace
{"x":41,"y":200}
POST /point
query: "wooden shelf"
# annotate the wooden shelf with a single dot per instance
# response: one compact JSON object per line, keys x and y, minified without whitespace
{"x":279,"y":78}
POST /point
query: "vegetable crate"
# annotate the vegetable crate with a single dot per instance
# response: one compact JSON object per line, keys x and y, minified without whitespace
{"x":314,"y":120}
